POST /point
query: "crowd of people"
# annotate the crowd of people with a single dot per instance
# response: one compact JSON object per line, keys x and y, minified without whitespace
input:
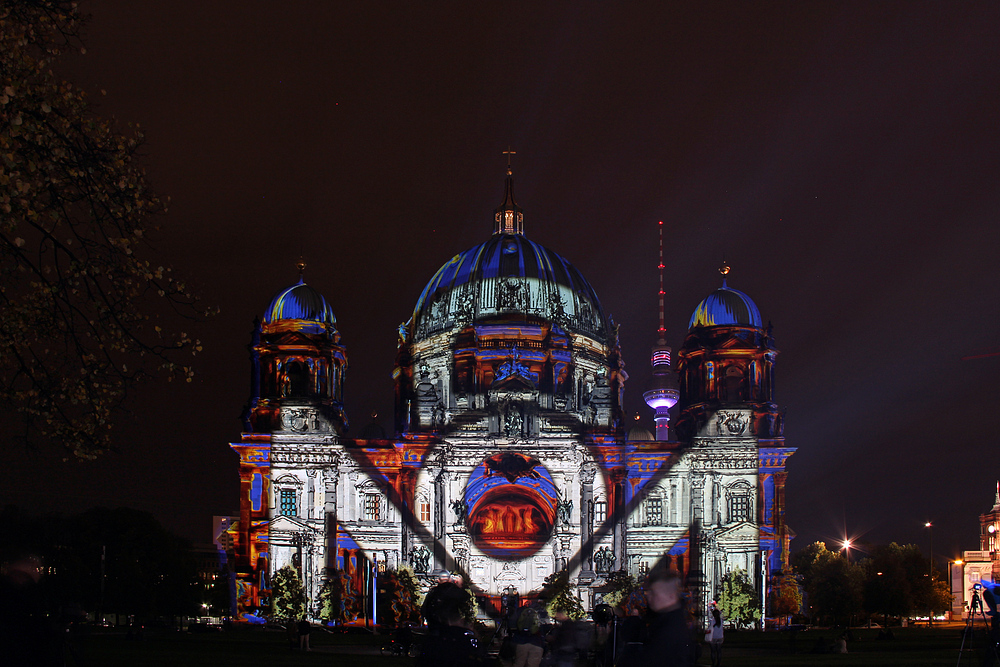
{"x":543,"y":633}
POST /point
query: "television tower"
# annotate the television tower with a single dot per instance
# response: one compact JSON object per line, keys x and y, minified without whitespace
{"x":664,"y":393}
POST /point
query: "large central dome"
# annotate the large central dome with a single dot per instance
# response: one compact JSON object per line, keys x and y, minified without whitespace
{"x":508,"y":275}
{"x":508,"y":339}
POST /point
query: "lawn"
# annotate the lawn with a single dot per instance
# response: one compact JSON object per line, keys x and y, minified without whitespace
{"x":244,"y":647}
{"x":938,"y":646}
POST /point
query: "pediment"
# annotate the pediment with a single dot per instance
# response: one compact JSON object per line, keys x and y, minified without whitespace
{"x":515,"y":383}
{"x":737,"y":342}
{"x":290,"y":524}
{"x":739,"y":532}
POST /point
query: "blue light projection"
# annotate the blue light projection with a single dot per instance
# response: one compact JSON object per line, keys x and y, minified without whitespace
{"x":513,"y":367}
{"x":303,"y":303}
{"x":555,"y":287}
{"x":256,"y":489}
{"x":511,"y":500}
{"x":725,"y":306}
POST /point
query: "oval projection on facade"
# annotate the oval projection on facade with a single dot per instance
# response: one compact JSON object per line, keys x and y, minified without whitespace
{"x":511,"y":502}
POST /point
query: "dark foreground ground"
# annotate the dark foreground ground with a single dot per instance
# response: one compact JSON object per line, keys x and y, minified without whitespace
{"x":939,"y":646}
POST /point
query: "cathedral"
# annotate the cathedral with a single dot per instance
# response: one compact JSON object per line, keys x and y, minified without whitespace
{"x":511,"y":458}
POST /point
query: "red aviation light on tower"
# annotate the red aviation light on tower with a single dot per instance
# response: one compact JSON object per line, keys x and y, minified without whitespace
{"x":662,"y":330}
{"x":664,"y":394}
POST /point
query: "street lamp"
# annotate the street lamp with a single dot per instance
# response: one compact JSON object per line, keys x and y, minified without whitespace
{"x":847,"y":549}
{"x":930,"y":537}
{"x":955,"y":571}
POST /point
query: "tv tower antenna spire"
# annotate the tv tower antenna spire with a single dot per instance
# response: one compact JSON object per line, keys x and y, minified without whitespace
{"x":663,"y":329}
{"x":664,"y":393}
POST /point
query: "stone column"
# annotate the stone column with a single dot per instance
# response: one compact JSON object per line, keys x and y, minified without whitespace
{"x":440,"y":515}
{"x":310,"y":494}
{"x":330,"y":478}
{"x":698,"y":499}
{"x":618,"y":537}
{"x":587,"y":474}
{"x":307,"y":574}
{"x":712,"y":515}
{"x":778,"y":517}
{"x":408,"y":498}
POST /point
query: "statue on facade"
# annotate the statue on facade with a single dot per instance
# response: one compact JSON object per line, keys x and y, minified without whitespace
{"x":604,"y":560}
{"x":465,"y":307}
{"x":460,"y":509}
{"x":420,"y":558}
{"x":557,"y":306}
{"x":509,"y":294}
{"x":564,"y":511}
{"x":426,"y":391}
{"x":512,"y":422}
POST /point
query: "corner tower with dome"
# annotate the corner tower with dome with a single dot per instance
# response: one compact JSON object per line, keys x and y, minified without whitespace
{"x":292,"y":428}
{"x":509,"y":460}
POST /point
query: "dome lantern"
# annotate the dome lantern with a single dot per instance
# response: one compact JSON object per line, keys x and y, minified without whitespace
{"x":508,"y":217}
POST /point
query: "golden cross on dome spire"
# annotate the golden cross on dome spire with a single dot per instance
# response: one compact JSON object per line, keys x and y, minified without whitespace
{"x":724,"y":270}
{"x":508,"y":153}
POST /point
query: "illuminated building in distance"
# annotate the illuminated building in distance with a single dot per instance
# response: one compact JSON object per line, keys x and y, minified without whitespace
{"x":977,"y":567}
{"x":509,"y":459}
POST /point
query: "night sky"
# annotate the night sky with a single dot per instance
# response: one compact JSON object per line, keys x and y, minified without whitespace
{"x":842,"y":157}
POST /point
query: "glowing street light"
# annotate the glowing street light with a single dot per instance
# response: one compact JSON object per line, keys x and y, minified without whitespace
{"x":930,"y":534}
{"x":930,"y":537}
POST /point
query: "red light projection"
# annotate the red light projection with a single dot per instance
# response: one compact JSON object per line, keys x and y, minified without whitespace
{"x":512,"y":506}
{"x":512,"y":521}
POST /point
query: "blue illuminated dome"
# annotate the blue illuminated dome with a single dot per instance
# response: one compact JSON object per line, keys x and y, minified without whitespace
{"x":726,"y":306}
{"x":508,"y":275}
{"x":300,"y":302}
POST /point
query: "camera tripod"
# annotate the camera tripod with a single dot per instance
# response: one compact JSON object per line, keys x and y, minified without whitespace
{"x":992,"y":629}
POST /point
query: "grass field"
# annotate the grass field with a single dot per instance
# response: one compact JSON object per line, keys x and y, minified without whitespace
{"x":246,"y":648}
{"x":912,"y":646}
{"x":938,"y":646}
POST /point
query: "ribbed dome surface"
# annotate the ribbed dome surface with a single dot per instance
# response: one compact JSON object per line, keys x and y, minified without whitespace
{"x":508,"y":274}
{"x":299,"y":302}
{"x":725,"y":306}
{"x":639,"y":433}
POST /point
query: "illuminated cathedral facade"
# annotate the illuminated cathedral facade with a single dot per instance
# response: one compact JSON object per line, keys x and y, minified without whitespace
{"x":511,"y":458}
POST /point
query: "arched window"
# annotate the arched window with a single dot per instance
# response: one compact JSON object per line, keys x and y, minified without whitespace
{"x":734,"y":386}
{"x":288,"y":503}
{"x":372,"y":507}
{"x":739,"y":502}
{"x":423,"y":507}
{"x":654,"y":509}
{"x":600,"y":510}
{"x":287,"y":492}
{"x":371,"y":503}
{"x":298,"y":379}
